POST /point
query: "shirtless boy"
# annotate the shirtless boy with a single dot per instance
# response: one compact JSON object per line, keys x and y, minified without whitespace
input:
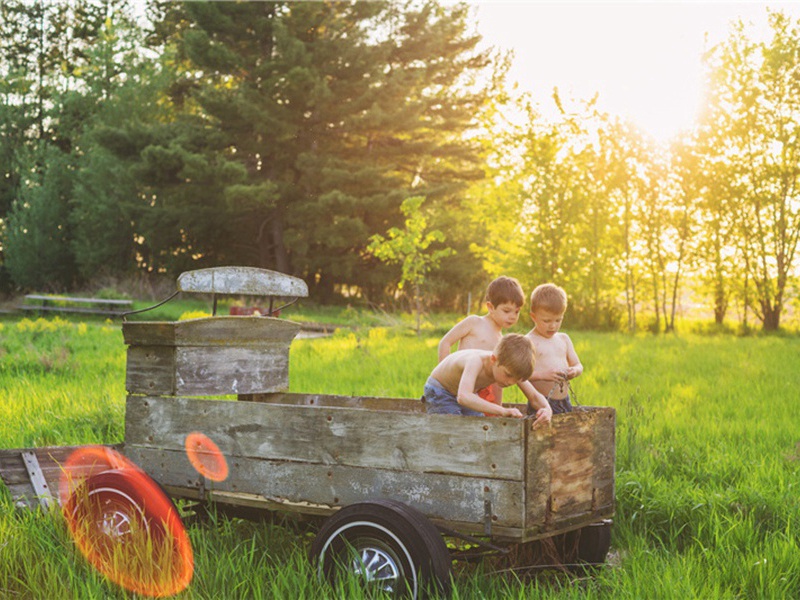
{"x":504,"y":300}
{"x":451,"y":388}
{"x":556,"y":359}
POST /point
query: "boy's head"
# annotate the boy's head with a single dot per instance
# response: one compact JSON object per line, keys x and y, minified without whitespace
{"x":505,"y":290}
{"x":504,"y":300}
{"x":513,"y":359}
{"x":549,"y":297}
{"x":548,"y":305}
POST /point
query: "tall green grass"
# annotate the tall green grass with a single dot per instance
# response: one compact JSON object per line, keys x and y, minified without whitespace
{"x":707,"y":482}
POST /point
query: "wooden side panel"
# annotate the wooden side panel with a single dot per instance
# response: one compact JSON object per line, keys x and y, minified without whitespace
{"x":148,"y":333}
{"x":450,"y":498}
{"x":407,"y":405}
{"x":604,"y":459}
{"x":150,"y":370}
{"x":571,"y":469}
{"x":212,"y":331}
{"x":416,"y":443}
{"x":210,"y":356}
{"x":213,"y":371}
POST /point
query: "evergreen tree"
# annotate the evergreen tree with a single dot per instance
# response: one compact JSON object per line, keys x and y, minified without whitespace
{"x":319,"y":119}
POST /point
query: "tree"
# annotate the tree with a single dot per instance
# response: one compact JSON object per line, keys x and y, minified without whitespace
{"x":411,"y":248}
{"x":752,"y":132}
{"x":329,"y":114}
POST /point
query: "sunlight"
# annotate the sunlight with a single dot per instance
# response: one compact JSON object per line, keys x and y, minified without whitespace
{"x":643,"y":59}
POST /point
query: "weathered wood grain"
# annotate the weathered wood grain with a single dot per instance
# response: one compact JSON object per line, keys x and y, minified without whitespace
{"x":242,"y":280}
{"x":473,"y":447}
{"x":216,"y":331}
{"x":439,"y":496}
{"x":407,"y":405}
{"x":571,"y":469}
{"x":209,"y":356}
{"x":51,"y":463}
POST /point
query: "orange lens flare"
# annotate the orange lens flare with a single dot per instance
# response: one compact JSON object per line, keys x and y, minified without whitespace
{"x":85,"y":462}
{"x":128,"y":529}
{"x":206,"y":457}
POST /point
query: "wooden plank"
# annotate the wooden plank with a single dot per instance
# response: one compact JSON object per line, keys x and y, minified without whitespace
{"x":416,"y":443}
{"x":216,"y":331}
{"x":232,"y":370}
{"x":50,"y":458}
{"x":571,"y":470}
{"x":71,"y":299}
{"x":72,"y":309}
{"x":150,"y":370}
{"x":604,"y":459}
{"x":242,"y":280}
{"x":209,"y":356}
{"x":365,"y":402}
{"x":439,"y":496}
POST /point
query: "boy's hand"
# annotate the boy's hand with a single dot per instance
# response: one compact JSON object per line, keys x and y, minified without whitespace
{"x":512,"y":412}
{"x":543,"y":416}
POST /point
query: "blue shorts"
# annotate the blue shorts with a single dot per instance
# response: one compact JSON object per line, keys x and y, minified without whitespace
{"x":441,"y":402}
{"x":560,"y":406}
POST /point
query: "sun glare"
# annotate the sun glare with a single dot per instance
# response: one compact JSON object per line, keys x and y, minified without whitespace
{"x":643,"y":60}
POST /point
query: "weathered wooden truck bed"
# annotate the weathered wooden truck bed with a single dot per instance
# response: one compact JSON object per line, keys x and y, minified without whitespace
{"x":317,"y":453}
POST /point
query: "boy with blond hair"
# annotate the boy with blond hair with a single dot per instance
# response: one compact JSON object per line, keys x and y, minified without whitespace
{"x":504,"y":300}
{"x":556,"y":359}
{"x":451,"y":387}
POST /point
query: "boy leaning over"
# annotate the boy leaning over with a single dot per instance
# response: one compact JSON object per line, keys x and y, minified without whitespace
{"x":504,"y":300}
{"x":451,"y":388}
{"x":556,"y":359}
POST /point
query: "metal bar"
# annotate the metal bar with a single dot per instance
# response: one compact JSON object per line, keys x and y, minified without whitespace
{"x":39,"y":483}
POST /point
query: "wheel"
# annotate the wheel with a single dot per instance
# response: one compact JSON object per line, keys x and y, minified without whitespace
{"x":130,"y":531}
{"x":594,"y":542}
{"x":392,"y":548}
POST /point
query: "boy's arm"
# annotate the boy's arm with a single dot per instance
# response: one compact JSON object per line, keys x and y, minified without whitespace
{"x":575,"y":366}
{"x":459,"y":331}
{"x":537,"y":402}
{"x":467,"y":396}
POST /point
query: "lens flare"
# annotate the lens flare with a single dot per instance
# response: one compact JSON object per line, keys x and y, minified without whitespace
{"x":127,"y":528}
{"x":85,"y":462}
{"x":206,"y":457}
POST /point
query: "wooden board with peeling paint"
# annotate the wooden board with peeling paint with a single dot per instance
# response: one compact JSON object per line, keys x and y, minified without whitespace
{"x":208,"y":356}
{"x":318,"y":453}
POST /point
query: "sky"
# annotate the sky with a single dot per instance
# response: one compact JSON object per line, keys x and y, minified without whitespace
{"x":644,"y":59}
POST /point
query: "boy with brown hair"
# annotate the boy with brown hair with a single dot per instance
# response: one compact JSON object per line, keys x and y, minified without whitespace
{"x":556,"y":359}
{"x":504,"y":300}
{"x":451,"y":387}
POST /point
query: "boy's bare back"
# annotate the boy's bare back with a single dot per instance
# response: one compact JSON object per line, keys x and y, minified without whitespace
{"x":471,"y":333}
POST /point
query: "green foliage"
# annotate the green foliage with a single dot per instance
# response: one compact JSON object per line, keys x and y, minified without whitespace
{"x":411,"y":248}
{"x":37,"y":253}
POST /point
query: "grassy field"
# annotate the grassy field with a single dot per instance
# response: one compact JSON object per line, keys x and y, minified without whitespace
{"x":708,"y":462}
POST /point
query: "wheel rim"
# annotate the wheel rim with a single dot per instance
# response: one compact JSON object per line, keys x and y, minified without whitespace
{"x":377,"y":565}
{"x":375,"y":561}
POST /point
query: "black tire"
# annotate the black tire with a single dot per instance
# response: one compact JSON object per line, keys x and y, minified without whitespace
{"x":594,"y":542}
{"x":393,"y":547}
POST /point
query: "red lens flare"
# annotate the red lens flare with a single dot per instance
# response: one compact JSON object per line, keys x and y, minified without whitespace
{"x":130,"y":531}
{"x":85,"y":462}
{"x":206,"y":457}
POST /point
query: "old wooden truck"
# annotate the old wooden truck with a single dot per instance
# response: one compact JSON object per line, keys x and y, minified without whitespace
{"x":387,"y":482}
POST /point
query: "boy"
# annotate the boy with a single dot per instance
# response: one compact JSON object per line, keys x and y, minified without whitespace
{"x":504,"y":300}
{"x":556,"y":359}
{"x":451,"y":387}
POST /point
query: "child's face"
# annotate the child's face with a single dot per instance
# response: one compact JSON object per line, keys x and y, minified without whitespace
{"x":502,"y":376}
{"x":505,"y":314}
{"x":546,"y":323}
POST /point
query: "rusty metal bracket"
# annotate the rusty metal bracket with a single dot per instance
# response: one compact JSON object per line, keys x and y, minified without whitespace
{"x":39,"y":483}
{"x":487,"y":511}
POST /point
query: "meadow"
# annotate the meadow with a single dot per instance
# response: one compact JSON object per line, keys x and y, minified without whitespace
{"x":707,"y":473}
